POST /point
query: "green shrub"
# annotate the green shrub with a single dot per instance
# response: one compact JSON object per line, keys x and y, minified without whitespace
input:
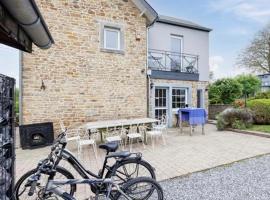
{"x":250,"y":84}
{"x":262,"y":95}
{"x":224,"y":91}
{"x":234,"y":118}
{"x":17,"y":100}
{"x":261,"y":110}
{"x":239,"y":124}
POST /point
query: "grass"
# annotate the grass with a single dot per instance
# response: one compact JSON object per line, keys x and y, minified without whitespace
{"x":261,"y":128}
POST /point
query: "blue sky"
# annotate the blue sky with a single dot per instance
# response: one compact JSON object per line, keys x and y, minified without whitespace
{"x":234,"y":23}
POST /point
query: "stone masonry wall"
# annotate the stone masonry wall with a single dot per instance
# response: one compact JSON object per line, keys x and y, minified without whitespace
{"x":194,"y":86}
{"x":83,"y":83}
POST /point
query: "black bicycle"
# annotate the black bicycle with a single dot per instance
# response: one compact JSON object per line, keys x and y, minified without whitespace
{"x":127,"y":166}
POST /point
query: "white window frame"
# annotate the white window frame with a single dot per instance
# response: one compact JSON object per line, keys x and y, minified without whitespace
{"x":181,"y":38}
{"x":186,"y":99}
{"x":119,"y":38}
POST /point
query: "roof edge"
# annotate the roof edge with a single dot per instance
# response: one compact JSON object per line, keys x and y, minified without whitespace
{"x":147,"y":10}
{"x":185,"y":24}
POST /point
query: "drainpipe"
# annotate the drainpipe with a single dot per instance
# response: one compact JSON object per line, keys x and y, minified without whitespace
{"x":148,"y":76}
{"x":27,"y":15}
{"x":20,"y":88}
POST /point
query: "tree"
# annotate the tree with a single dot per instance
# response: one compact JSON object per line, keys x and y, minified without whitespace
{"x":250,"y":85}
{"x":257,"y":55}
{"x":224,"y":91}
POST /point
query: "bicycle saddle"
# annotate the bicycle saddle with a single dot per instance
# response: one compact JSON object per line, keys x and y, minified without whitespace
{"x":110,"y":146}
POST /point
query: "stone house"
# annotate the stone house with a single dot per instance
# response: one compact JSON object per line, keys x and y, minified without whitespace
{"x":99,"y":67}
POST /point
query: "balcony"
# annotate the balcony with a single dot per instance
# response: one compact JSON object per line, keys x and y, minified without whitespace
{"x":171,"y":65}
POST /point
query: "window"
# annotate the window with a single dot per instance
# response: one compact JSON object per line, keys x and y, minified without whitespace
{"x":112,"y":38}
{"x":176,"y":50}
{"x":161,"y":102}
{"x":176,"y":44}
{"x":199,"y":98}
{"x":179,"y":98}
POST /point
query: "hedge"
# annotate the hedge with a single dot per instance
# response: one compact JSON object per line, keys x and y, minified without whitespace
{"x":261,"y":110}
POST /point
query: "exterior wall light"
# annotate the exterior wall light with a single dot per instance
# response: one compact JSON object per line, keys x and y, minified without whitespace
{"x":42,"y":87}
{"x":152,"y":85}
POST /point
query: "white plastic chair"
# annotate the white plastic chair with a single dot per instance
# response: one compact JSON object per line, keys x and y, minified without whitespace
{"x":71,"y":135}
{"x":162,"y":125}
{"x":154,"y":135}
{"x":87,"y":139}
{"x":134,"y":135}
{"x":114,"y":135}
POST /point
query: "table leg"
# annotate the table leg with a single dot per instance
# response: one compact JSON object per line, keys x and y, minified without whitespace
{"x":101,"y":137}
{"x":203,"y":132}
{"x":180,"y":124}
{"x":145,"y":138}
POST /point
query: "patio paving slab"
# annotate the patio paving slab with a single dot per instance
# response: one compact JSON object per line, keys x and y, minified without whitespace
{"x":183,"y":154}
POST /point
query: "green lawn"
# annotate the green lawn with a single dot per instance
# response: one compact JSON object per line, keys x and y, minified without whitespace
{"x":261,"y":128}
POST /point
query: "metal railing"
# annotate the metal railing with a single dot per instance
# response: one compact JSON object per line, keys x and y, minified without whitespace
{"x":172,"y":61}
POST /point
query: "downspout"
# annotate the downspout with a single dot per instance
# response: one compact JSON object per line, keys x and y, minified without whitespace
{"x":147,"y":59}
{"x":148,"y":77}
{"x":20,"y":88}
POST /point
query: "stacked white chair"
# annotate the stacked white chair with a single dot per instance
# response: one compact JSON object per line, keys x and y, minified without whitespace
{"x":132,"y":135}
{"x":114,"y":135}
{"x":87,"y":139}
{"x":158,"y":131}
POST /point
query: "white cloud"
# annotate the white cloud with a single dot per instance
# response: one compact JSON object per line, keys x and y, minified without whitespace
{"x":215,"y":63}
{"x":256,"y":10}
{"x":241,"y":31}
{"x":216,"y":66}
{"x":221,"y":70}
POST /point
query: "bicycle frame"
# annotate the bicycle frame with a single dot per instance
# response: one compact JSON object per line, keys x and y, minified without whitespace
{"x":84,"y":173}
{"x":66,"y":154}
{"x":53,"y":186}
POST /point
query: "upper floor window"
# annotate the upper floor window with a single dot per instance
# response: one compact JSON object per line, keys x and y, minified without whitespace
{"x":112,"y":38}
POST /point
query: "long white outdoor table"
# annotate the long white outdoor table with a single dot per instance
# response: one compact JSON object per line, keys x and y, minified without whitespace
{"x":117,"y":123}
{"x":120,"y":122}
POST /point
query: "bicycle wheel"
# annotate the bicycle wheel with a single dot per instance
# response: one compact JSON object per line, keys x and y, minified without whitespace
{"x":142,"y":188}
{"x":21,"y":190}
{"x":130,"y":169}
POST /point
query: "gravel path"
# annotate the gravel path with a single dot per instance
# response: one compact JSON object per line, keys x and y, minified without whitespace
{"x":245,"y":180}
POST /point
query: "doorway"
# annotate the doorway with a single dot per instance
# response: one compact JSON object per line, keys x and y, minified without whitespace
{"x":161,"y":102}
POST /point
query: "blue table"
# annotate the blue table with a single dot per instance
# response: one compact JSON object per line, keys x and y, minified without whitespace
{"x":193,"y":116}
